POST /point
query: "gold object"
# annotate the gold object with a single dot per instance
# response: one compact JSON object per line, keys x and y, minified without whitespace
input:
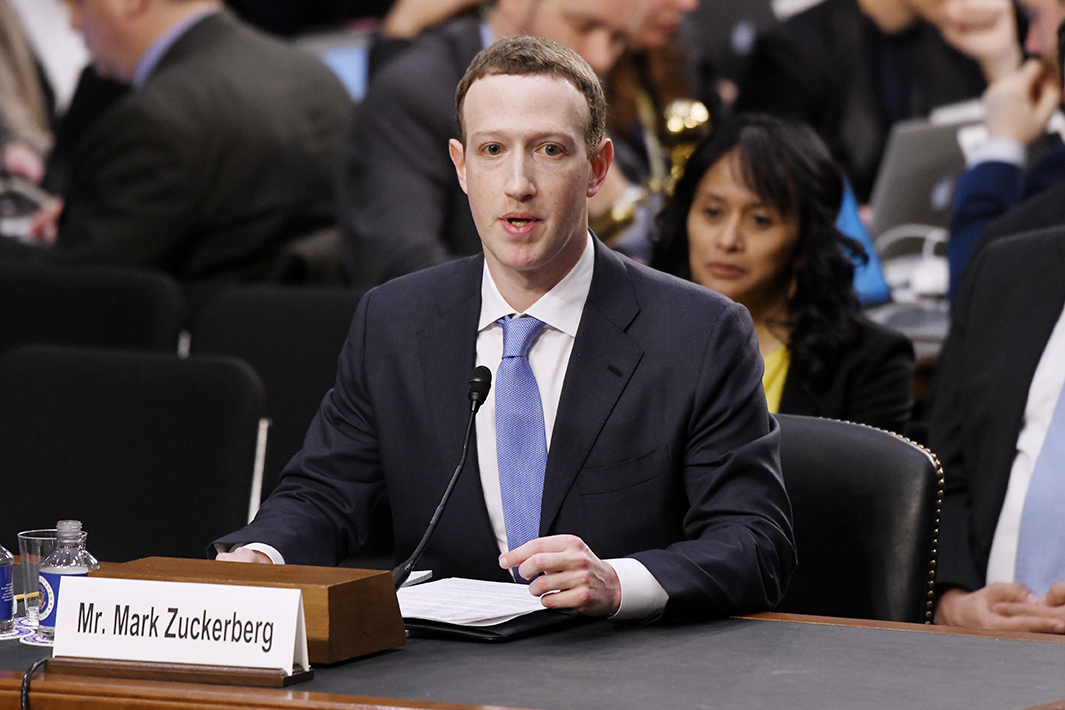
{"x":686,"y":123}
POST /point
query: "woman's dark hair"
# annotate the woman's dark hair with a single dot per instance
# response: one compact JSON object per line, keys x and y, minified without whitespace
{"x":789,"y":167}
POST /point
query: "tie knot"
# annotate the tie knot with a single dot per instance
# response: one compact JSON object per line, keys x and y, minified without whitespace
{"x":519,"y":334}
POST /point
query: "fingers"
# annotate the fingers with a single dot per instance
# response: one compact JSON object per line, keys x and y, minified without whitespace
{"x":44,"y":227}
{"x":243,"y":554}
{"x":566,"y":574}
{"x":1055,"y":596}
{"x":1035,"y":618}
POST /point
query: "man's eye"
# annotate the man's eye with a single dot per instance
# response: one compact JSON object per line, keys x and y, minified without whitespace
{"x":493,"y":149}
{"x":552,"y":150}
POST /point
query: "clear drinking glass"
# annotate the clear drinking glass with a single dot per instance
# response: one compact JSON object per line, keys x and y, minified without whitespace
{"x":33,"y":546}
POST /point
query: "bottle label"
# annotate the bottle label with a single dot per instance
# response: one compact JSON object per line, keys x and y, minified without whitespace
{"x":48,"y":597}
{"x":7,"y":593}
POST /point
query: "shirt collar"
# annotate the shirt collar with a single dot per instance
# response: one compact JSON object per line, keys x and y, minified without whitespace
{"x":150,"y":59}
{"x":560,"y":308}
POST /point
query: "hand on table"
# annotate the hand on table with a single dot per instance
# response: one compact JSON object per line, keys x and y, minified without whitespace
{"x":1020,"y":104}
{"x":1004,"y":607}
{"x":243,"y":554}
{"x":570,"y":571}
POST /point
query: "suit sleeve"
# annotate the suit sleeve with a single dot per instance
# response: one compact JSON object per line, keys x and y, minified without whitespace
{"x":740,"y":550}
{"x":985,"y":192}
{"x":956,"y":565}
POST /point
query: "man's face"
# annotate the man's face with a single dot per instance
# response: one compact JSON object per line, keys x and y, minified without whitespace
{"x":526,"y":170}
{"x":98,"y":21}
{"x":1044,"y":16}
{"x":595,"y":29}
{"x":660,"y":21}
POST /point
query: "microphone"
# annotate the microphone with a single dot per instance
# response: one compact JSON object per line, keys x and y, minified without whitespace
{"x":477,"y":392}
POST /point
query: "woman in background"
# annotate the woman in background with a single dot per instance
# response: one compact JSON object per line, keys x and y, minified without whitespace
{"x":754,"y":218}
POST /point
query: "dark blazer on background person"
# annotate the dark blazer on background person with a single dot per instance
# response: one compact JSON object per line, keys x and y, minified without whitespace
{"x":1044,"y":209}
{"x":987,"y":193}
{"x":399,"y":206}
{"x":872,"y":383}
{"x":1009,"y":302}
{"x":662,"y":448}
{"x":820,"y":67}
{"x":209,"y":169}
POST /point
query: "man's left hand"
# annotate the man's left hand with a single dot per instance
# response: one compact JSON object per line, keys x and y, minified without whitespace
{"x":570,"y":575}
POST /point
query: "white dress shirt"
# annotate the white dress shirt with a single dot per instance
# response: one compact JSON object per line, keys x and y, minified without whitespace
{"x":1048,"y":382}
{"x":560,"y":309}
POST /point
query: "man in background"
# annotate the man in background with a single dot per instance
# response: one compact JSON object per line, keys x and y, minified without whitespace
{"x":220,"y":156}
{"x":998,"y":426}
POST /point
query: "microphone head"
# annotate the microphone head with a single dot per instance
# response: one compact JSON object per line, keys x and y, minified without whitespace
{"x":480,"y":383}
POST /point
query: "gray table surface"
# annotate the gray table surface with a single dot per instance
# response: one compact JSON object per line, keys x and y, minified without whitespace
{"x":731,"y":663}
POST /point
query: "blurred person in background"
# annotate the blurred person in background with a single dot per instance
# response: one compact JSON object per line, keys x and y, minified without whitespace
{"x":852,"y":68}
{"x":754,"y":218}
{"x":221,"y":155}
{"x":1019,"y":166}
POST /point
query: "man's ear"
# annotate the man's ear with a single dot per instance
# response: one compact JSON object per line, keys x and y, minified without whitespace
{"x":601,"y":160}
{"x":458,"y":157}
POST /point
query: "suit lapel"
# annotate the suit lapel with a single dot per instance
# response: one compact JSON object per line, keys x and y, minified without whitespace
{"x":600,"y":366}
{"x":447,"y":348}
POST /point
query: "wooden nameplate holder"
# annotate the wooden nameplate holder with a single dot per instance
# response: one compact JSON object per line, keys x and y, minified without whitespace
{"x":348,"y":612}
{"x":181,"y":672}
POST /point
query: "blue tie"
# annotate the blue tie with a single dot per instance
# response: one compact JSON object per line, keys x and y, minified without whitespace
{"x":1041,"y":543}
{"x":521,"y":444}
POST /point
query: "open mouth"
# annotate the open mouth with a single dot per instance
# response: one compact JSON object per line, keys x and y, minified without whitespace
{"x":519,"y":221}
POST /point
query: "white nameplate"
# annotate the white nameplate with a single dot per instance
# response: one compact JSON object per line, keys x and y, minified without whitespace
{"x":181,"y":622}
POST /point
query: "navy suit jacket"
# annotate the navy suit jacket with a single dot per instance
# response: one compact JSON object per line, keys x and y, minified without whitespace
{"x":1009,"y":302}
{"x":662,"y":448}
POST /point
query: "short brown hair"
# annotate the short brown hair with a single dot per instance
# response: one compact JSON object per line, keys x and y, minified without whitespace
{"x":524,"y":56}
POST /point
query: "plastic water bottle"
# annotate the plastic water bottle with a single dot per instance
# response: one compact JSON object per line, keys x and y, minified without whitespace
{"x":7,"y":591}
{"x":68,"y":558}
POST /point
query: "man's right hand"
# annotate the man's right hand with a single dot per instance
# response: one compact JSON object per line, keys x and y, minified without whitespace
{"x":1003,"y":607}
{"x":1020,"y":105}
{"x":243,"y":554}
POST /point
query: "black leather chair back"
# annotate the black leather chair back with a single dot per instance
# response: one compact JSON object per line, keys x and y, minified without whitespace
{"x":866,"y":508}
{"x":155,"y":454}
{"x":106,"y":307}
{"x":292,"y":337}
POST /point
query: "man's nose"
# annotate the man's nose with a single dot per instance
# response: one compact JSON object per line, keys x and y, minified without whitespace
{"x":520,"y":183}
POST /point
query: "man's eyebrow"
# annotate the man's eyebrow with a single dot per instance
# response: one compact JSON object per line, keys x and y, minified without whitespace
{"x":556,"y":136}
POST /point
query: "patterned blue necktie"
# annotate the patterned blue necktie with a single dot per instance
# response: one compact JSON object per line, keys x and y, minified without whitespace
{"x":1041,"y":543}
{"x":521,"y":444}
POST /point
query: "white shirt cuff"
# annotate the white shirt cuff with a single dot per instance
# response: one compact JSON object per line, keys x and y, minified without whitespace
{"x":641,"y":595}
{"x":276,"y":557}
{"x":1000,"y":150}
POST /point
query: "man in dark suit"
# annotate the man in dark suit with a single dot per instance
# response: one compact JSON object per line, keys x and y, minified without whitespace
{"x":999,"y":377}
{"x":221,"y":155}
{"x":661,"y":490}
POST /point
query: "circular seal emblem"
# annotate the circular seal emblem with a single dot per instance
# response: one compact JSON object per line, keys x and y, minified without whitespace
{"x":46,"y":598}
